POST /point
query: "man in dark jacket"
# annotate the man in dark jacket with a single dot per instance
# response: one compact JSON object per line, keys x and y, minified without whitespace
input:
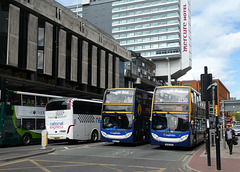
{"x":229,"y":135}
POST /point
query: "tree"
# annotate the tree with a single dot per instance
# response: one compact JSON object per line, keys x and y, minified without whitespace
{"x":237,"y":116}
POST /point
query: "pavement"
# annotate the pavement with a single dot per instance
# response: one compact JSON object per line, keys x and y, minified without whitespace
{"x":13,"y":153}
{"x":228,"y":163}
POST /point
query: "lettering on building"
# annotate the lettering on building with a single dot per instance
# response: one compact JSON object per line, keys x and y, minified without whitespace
{"x":185,"y":28}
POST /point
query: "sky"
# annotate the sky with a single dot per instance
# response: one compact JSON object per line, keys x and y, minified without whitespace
{"x":215,"y":41}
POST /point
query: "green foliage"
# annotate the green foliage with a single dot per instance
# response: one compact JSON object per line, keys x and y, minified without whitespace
{"x":237,"y":116}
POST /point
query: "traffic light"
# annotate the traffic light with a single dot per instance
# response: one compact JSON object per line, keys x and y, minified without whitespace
{"x":206,"y":80}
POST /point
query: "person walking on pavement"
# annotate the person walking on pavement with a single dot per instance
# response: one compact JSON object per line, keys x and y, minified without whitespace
{"x":229,"y":135}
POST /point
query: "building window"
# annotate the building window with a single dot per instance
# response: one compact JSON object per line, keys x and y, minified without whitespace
{"x":40,"y":60}
{"x":41,"y":36}
{"x":68,"y":56}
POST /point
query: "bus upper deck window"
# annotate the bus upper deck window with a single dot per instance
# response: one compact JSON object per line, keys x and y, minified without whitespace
{"x":28,"y":100}
{"x":41,"y":101}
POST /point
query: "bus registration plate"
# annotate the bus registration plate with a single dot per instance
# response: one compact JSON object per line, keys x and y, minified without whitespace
{"x":115,"y":141}
{"x":169,"y":144}
{"x":56,"y":138}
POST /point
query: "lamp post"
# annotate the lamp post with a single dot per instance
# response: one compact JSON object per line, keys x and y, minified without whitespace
{"x":217,"y":139}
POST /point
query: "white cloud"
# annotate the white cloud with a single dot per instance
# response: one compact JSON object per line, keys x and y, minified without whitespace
{"x":215,"y":37}
{"x":236,"y":93}
{"x":230,"y":83}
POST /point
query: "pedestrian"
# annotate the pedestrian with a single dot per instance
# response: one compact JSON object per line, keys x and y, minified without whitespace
{"x":229,"y":135}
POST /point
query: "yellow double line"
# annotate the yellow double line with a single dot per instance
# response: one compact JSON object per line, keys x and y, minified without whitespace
{"x":184,"y":157}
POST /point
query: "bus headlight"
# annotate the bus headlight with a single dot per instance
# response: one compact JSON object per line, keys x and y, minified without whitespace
{"x":128,"y":134}
{"x":103,"y":134}
{"x":155,"y":136}
{"x":184,"y":137}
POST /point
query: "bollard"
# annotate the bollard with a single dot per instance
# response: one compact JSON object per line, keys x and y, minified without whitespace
{"x":44,"y":139}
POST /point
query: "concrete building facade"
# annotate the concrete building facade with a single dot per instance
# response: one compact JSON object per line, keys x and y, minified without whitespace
{"x":46,"y":49}
{"x":159,"y":30}
{"x":140,"y":73}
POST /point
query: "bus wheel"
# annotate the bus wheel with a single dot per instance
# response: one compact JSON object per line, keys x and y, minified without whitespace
{"x":26,"y":139}
{"x":94,"y":136}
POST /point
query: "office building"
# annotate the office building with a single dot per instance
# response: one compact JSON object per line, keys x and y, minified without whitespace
{"x":46,"y":49}
{"x":159,"y":30}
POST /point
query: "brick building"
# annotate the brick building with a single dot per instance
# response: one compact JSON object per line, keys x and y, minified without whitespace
{"x":222,"y":92}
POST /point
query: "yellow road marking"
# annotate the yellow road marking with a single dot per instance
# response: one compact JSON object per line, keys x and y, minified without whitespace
{"x":180,"y":169}
{"x":71,"y":164}
{"x":13,"y":162}
{"x":23,"y":168}
{"x":185,"y":158}
{"x":40,"y":166}
{"x":187,"y":155}
{"x":181,"y":157}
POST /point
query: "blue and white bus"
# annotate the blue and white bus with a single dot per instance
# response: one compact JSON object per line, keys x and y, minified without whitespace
{"x":73,"y":119}
{"x":126,"y":115}
{"x":177,"y":117}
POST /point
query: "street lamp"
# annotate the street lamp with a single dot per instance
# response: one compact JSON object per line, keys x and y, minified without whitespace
{"x":218,"y":160}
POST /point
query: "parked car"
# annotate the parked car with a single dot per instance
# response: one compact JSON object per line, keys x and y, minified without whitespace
{"x":236,"y":129}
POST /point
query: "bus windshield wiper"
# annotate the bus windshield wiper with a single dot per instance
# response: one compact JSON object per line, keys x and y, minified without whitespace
{"x":173,"y":115}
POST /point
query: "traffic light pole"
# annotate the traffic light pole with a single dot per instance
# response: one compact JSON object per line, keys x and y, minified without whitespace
{"x":208,"y":135}
{"x":217,"y":136}
{"x":206,"y":80}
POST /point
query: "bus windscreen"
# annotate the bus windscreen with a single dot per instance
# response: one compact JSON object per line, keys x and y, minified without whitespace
{"x":171,"y":95}
{"x":120,"y":121}
{"x":171,"y":122}
{"x":57,"y":105}
{"x":123,"y":96}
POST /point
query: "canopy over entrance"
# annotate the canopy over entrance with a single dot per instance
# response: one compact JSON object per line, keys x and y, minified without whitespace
{"x":230,"y":105}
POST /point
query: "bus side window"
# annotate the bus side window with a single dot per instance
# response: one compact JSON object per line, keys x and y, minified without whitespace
{"x":40,"y":124}
{"x":41,"y":101}
{"x":81,"y":107}
{"x":77,"y":107}
{"x":193,"y":96}
{"x":28,"y":100}
{"x":28,"y":124}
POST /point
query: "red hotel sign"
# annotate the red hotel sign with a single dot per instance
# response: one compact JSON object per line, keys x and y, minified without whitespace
{"x":185,"y":28}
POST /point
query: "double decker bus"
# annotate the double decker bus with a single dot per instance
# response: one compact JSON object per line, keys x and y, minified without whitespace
{"x":229,"y":121}
{"x":22,"y":117}
{"x":126,"y":115}
{"x":73,"y":119}
{"x":177,"y":117}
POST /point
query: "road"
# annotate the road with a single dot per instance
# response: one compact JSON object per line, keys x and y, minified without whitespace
{"x":103,"y":157}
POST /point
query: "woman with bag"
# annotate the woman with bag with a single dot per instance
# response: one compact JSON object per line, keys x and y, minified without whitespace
{"x":229,"y":136}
